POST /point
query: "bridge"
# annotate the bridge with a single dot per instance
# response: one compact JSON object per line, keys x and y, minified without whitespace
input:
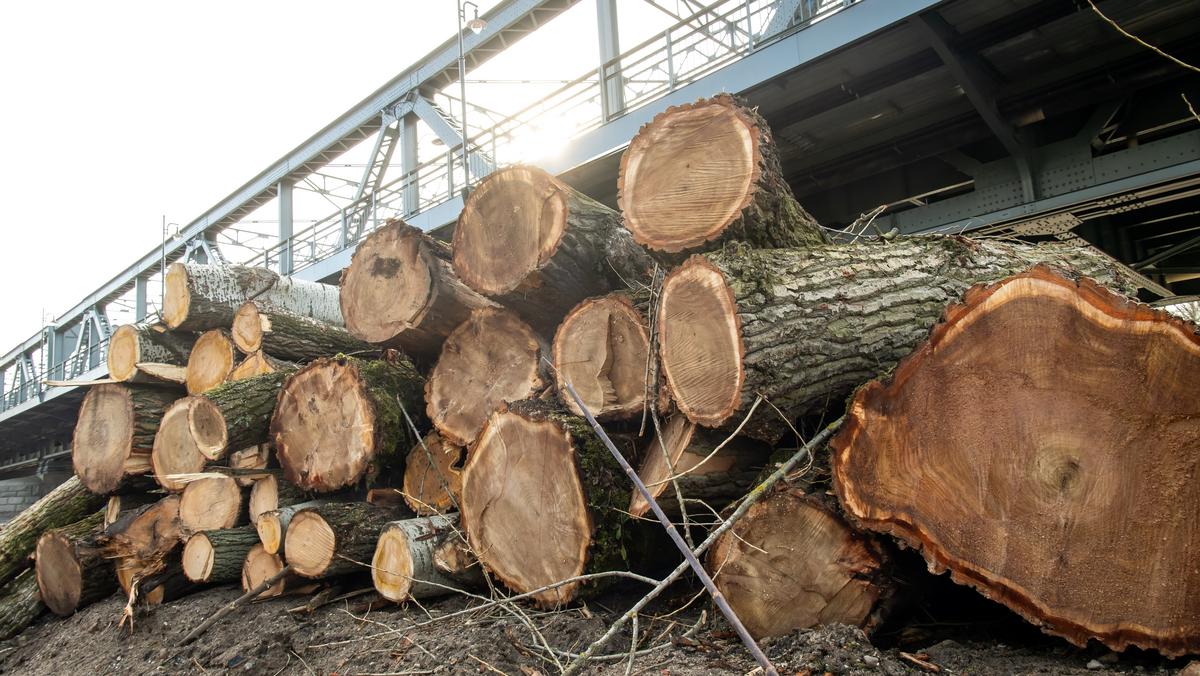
{"x":1023,"y":118}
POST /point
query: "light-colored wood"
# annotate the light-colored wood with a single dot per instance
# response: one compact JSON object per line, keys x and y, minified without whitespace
{"x":212,"y":503}
{"x":602,"y":348}
{"x":271,"y":493}
{"x":259,"y":364}
{"x":202,"y":297}
{"x":261,"y":566}
{"x":257,"y":456}
{"x":115,"y":432}
{"x":272,"y":526}
{"x":71,"y":570}
{"x":133,"y":345}
{"x":217,"y":556}
{"x":182,"y":442}
{"x":211,"y":361}
{"x":423,"y":558}
{"x":333,"y":538}
{"x":290,"y":336}
{"x":433,"y":475}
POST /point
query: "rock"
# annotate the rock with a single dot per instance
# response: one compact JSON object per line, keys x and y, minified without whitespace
{"x":870,"y":660}
{"x":1095,"y":664}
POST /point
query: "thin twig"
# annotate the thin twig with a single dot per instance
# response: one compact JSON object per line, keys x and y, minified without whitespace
{"x":235,"y":604}
{"x":1140,"y":41}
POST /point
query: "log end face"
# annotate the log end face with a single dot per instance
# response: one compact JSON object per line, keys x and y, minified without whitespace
{"x":264,"y":497}
{"x":431,"y":468}
{"x":175,"y":451}
{"x":206,"y":424}
{"x":311,"y":544}
{"x":255,"y":364}
{"x":601,"y":348}
{"x":103,"y":437}
{"x":392,"y":565}
{"x":124,"y":353}
{"x":211,"y":503}
{"x":270,"y":532}
{"x":59,"y":575}
{"x":177,"y":298}
{"x":655,"y":472}
{"x":389,"y":285}
{"x":198,"y":557}
{"x":211,"y":361}
{"x":248,"y":328}
{"x":260,"y":566}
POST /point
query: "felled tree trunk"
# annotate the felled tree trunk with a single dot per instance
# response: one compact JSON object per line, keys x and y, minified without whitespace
{"x":792,"y":563}
{"x":62,"y":506}
{"x":137,"y":353}
{"x":290,"y":336}
{"x":212,"y":360}
{"x":177,"y":452}
{"x":20,"y":604}
{"x":1044,"y":432}
{"x":701,"y":174}
{"x":272,"y":526}
{"x":212,"y":503}
{"x":530,"y":532}
{"x":143,"y":545}
{"x":217,"y":556}
{"x":537,"y":246}
{"x":203,"y":297}
{"x":114,"y":434}
{"x":118,"y":504}
{"x":602,"y":348}
{"x":334,"y":538}
{"x":423,"y":558}
{"x":233,"y":416}
{"x":71,"y":570}
{"x":340,"y":419}
{"x":259,"y":364}
{"x":155,"y":586}
{"x":491,"y":358}
{"x":260,"y":566}
{"x":271,"y":493}
{"x":803,"y":327}
{"x":253,"y":457}
{"x":401,"y":291}
{"x":433,"y":475}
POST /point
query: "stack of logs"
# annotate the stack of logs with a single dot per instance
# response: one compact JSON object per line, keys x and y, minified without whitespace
{"x":1032,"y":431}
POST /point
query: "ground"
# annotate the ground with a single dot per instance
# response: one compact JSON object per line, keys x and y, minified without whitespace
{"x":351,"y":637}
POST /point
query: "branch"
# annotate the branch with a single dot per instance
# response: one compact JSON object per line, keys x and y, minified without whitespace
{"x":235,"y":604}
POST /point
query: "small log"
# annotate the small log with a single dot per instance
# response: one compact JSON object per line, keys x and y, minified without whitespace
{"x":212,"y":360}
{"x":792,"y":563}
{"x":217,"y":556}
{"x":401,"y":291}
{"x":212,"y":503}
{"x":334,"y":538}
{"x":258,"y":364}
{"x":271,"y":493}
{"x":389,"y":498}
{"x":71,"y":570}
{"x":272,"y":526}
{"x":423,"y":558}
{"x":717,"y":480}
{"x":602,"y":348}
{"x":20,"y":604}
{"x":340,"y":419}
{"x":161,"y":374}
{"x":261,"y":566}
{"x":289,"y":336}
{"x":118,"y":504}
{"x":114,"y":434}
{"x":1040,"y":447}
{"x":133,"y":345}
{"x":156,"y":585}
{"x":492,"y":358}
{"x":145,"y":536}
{"x":62,"y":506}
{"x":202,"y":297}
{"x":702,"y":174}
{"x":176,"y":451}
{"x":433,"y":475}
{"x":257,"y":456}
{"x":530,"y":531}
{"x":803,"y":327}
{"x":538,"y":247}
{"x":236,"y":414}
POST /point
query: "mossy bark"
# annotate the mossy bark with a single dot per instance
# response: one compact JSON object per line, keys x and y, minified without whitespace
{"x":247,"y":405}
{"x":62,"y":506}
{"x":356,"y":527}
{"x":229,"y":549}
{"x":95,"y":579}
{"x":296,"y":338}
{"x":20,"y":604}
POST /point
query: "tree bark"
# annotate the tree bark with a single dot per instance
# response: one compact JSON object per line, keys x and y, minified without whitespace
{"x":271,"y":493}
{"x":1039,"y":446}
{"x":334,"y":538}
{"x":340,"y":419}
{"x":203,"y":297}
{"x":602,"y":348}
{"x":803,"y":327}
{"x":133,"y":345}
{"x":212,"y":503}
{"x":212,"y":361}
{"x":114,"y":434}
{"x":706,"y":173}
{"x":118,"y":504}
{"x":143,"y":538}
{"x":257,"y":456}
{"x":423,"y":558}
{"x":20,"y":604}
{"x":433,"y":475}
{"x":158,"y":585}
{"x":238,"y":413}
{"x":401,"y":291}
{"x":62,"y":506}
{"x":71,"y":570}
{"x":290,"y":336}
{"x":217,"y":556}
{"x":272,"y":526}
{"x":538,"y":247}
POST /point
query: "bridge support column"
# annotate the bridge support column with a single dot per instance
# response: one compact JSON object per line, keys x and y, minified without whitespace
{"x":286,"y":260}
{"x":612,"y":85}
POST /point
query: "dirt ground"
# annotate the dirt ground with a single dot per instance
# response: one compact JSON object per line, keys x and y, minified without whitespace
{"x":351,"y":637}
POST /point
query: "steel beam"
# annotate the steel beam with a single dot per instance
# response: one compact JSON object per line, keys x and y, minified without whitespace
{"x":612,"y":83}
{"x":449,"y":131}
{"x":409,"y":161}
{"x":286,"y":260}
{"x":139,"y":299}
{"x":1184,"y":246}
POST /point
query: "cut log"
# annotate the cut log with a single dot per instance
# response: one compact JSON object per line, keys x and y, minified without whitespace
{"x":260,"y":566}
{"x":529,"y":530}
{"x":20,"y":604}
{"x":803,"y":327}
{"x":702,"y":174}
{"x":339,"y":419}
{"x":1040,"y":446}
{"x":157,"y":585}
{"x":334,"y":538}
{"x":212,"y":503}
{"x":144,"y":537}
{"x":537,"y":246}
{"x":271,"y":493}
{"x":212,"y":360}
{"x":257,"y":456}
{"x":272,"y":526}
{"x":161,"y":374}
{"x":114,"y":434}
{"x":258,"y":364}
{"x":176,"y":452}
{"x":118,"y":504}
{"x":203,"y":297}
{"x":289,"y":336}
{"x":71,"y":570}
{"x":433,"y":475}
{"x":792,"y":563}
{"x":704,"y":469}
{"x":423,"y":558}
{"x":62,"y":506}
{"x":217,"y":556}
{"x":401,"y":291}
{"x":602,"y":348}
{"x":492,"y":358}
{"x":235,"y":415}
{"x":132,"y":345}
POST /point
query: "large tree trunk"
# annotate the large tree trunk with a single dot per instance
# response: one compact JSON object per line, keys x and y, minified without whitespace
{"x":119,"y":504}
{"x":212,"y":503}
{"x":290,"y":336}
{"x":433,"y":475}
{"x":202,"y":297}
{"x":114,"y":434}
{"x":271,"y":493}
{"x":1041,"y":445}
{"x":490,"y":359}
{"x":71,"y":570}
{"x":705,"y":173}
{"x":537,"y":246}
{"x":212,"y":361}
{"x":792,"y":563}
{"x":401,"y":291}
{"x":144,"y":545}
{"x":137,"y":353}
{"x":334,"y":538}
{"x":803,"y":327}
{"x":217,"y":556}
{"x":602,"y":348}
{"x":531,"y":532}
{"x":272,"y":526}
{"x":62,"y":506}
{"x":422,"y":558}
{"x":340,"y":419}
{"x":20,"y":604}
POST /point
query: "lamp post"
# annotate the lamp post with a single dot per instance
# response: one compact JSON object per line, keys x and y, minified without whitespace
{"x":475,"y":24}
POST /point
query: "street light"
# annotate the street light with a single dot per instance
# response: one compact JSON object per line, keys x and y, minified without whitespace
{"x":475,"y":25}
